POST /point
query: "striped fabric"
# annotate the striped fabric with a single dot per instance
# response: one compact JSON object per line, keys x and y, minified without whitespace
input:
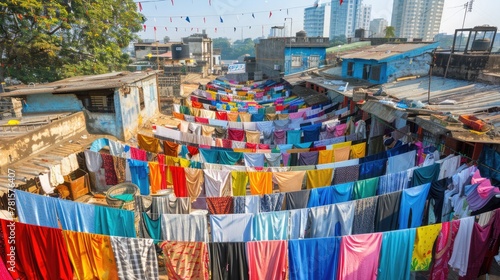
{"x":135,"y":258}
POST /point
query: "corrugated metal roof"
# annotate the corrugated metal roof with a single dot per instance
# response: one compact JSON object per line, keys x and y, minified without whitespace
{"x":81,"y":83}
{"x":384,"y":51}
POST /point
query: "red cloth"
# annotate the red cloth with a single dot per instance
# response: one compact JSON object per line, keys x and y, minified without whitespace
{"x":267,"y":260}
{"x":138,"y":154}
{"x":196,"y":104}
{"x":320,"y":148}
{"x":221,"y":116}
{"x":236,"y":134}
{"x":479,"y":245}
{"x":40,"y":252}
{"x":264,"y":146}
{"x":109,"y":169}
{"x":179,"y":181}
{"x":220,"y":205}
{"x":226,"y":143}
{"x":443,"y":248}
{"x":193,"y":150}
{"x":249,"y":145}
{"x":161,"y":158}
{"x":201,"y":120}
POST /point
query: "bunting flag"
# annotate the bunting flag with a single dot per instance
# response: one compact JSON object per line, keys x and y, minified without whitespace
{"x":188,"y":20}
{"x":197,"y":30}
{"x":191,"y":29}
{"x":216,"y":30}
{"x":204,"y":20}
{"x":341,"y":1}
{"x":154,"y":28}
{"x":253,"y":15}
{"x":166,"y":29}
{"x":156,"y":8}
{"x":287,"y":12}
{"x":144,"y":26}
{"x":170,"y":19}
{"x":210,"y":2}
{"x":221,"y":20}
{"x":270,"y":14}
{"x":235,"y":29}
{"x":172,"y":2}
{"x":176,"y":29}
{"x":140,"y":6}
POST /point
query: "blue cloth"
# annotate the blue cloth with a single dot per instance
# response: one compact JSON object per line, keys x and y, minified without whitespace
{"x":340,"y":217}
{"x":378,"y":156}
{"x":293,"y":136}
{"x":313,"y":258}
{"x":209,"y":155}
{"x":392,"y":182}
{"x":342,"y":192}
{"x":257,"y":117}
{"x":281,"y":124}
{"x":114,"y":222}
{"x":330,"y":141}
{"x":398,"y":149}
{"x":372,"y":169}
{"x":231,"y":158}
{"x":139,"y":171}
{"x":153,"y":226}
{"x":76,"y":216}
{"x":401,"y":162}
{"x":284,"y":147}
{"x":271,"y":202}
{"x":311,"y":132}
{"x":216,"y":122}
{"x":231,"y":228}
{"x":35,"y":209}
{"x":184,"y":151}
{"x":413,"y":202}
{"x":490,"y":160}
{"x":395,"y":254}
{"x":295,"y":123}
{"x":320,"y":197}
{"x":298,"y":222}
{"x":426,"y":174}
{"x":265,"y":126}
{"x":270,"y":226}
{"x":305,"y":145}
{"x":252,"y":159}
{"x":98,"y":144}
{"x":308,"y":158}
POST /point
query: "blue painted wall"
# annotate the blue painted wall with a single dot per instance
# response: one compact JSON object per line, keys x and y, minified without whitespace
{"x":304,"y":52}
{"x":48,"y":102}
{"x":358,"y":69}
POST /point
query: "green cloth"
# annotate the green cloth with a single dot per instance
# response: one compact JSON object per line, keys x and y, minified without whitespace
{"x":124,"y":197}
{"x":365,"y":188}
{"x":114,"y":222}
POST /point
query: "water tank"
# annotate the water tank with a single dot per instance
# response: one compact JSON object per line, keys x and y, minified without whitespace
{"x":301,"y":34}
{"x":180,"y":51}
{"x":481,"y":45}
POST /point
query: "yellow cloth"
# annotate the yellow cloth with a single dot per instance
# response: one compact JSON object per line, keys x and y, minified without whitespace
{"x":239,"y":182}
{"x":340,"y":145}
{"x":325,"y":156}
{"x":243,"y":150}
{"x":289,"y":181}
{"x":195,"y":112}
{"x":422,"y":249}
{"x":148,"y":143}
{"x":319,"y":178}
{"x":282,"y":116}
{"x":91,"y":255}
{"x":232,"y":116}
{"x":245,"y":117}
{"x":154,"y":176}
{"x":358,"y":150}
{"x":260,"y":182}
{"x":270,"y":117}
{"x":207,"y":130}
{"x":341,"y":154}
{"x":253,"y":136}
{"x":194,"y":182}
{"x":184,"y":162}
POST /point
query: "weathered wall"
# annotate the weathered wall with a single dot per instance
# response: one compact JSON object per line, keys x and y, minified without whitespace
{"x":103,"y":123}
{"x":304,"y":53}
{"x":48,"y":102}
{"x":130,"y":113}
{"x":23,"y":146}
{"x":268,"y":53}
{"x":358,"y":69}
{"x":409,"y":66}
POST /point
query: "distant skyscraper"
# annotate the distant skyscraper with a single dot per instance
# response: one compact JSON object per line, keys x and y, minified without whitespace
{"x":317,"y":21}
{"x":364,"y":17}
{"x":344,"y":18}
{"x":417,"y":18}
{"x":377,"y":27}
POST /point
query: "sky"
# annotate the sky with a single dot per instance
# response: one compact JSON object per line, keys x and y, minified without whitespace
{"x":233,"y":18}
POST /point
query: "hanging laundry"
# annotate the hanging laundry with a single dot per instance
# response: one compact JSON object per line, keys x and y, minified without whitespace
{"x":364,"y":215}
{"x":308,"y":158}
{"x":170,"y":148}
{"x":181,"y":227}
{"x":179,"y":180}
{"x":217,"y":182}
{"x":260,"y":182}
{"x":228,"y":260}
{"x":359,"y":256}
{"x":313,"y":258}
{"x":443,"y":247}
{"x":231,"y":228}
{"x":270,"y":226}
{"x":292,"y":136}
{"x":298,"y":223}
{"x":156,"y":178}
{"x":76,"y":216}
{"x":461,"y":247}
{"x":186,"y":260}
{"x":340,"y":217}
{"x":424,"y":243}
{"x":412,"y":205}
{"x":267,"y":260}
{"x":114,"y":222}
{"x":342,"y":192}
{"x":220,"y":205}
{"x":297,"y":199}
{"x":346,"y":174}
{"x":319,"y":178}
{"x":91,"y":255}
{"x":401,"y":162}
{"x":392,"y":182}
{"x":372,"y":169}
{"x":397,"y":248}
{"x":341,"y":154}
{"x":229,"y":157}
{"x":320,"y":197}
{"x":148,"y":143}
{"x":365,"y":188}
{"x":98,"y":144}
{"x":37,"y":210}
{"x":271,"y":202}
{"x":194,"y":182}
{"x":387,"y":216}
{"x":425,"y":175}
{"x":135,"y":258}
{"x":140,"y":174}
{"x":252,"y":136}
{"x":138,"y":154}
{"x":120,"y":166}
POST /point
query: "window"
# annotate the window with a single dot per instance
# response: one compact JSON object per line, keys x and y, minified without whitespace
{"x":98,"y":101}
{"x":141,"y":98}
{"x":350,"y":69}
{"x":375,"y":73}
{"x":296,"y":61}
{"x":313,"y":61}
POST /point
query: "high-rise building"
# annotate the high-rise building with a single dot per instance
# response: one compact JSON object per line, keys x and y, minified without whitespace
{"x":317,"y":21}
{"x":364,"y":17}
{"x":344,"y":17}
{"x":377,"y":27}
{"x":414,"y":19}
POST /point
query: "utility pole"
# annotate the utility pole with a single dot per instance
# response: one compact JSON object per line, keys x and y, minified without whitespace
{"x":290,"y":39}
{"x":467,"y":8}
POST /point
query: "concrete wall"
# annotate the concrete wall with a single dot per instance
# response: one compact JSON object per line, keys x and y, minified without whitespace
{"x":269,"y":53}
{"x":305,"y":53}
{"x":358,"y":69}
{"x":103,"y":123}
{"x":130,"y":113}
{"x":414,"y":66}
{"x":48,"y":102}
{"x":36,"y":141}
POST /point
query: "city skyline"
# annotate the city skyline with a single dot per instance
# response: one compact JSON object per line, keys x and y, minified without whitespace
{"x":237,"y":19}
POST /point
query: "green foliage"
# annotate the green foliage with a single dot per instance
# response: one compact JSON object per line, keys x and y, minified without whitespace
{"x":390,"y":32}
{"x":43,"y":41}
{"x":236,"y":49}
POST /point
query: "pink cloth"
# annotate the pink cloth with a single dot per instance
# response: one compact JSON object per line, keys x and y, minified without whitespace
{"x":296,"y":115}
{"x":340,"y":130}
{"x":138,"y":154}
{"x":201,"y":120}
{"x":263,"y":146}
{"x":359,"y":256}
{"x":267,"y":259}
{"x":226,"y":143}
{"x":444,"y":246}
{"x":420,"y":152}
{"x":484,"y":189}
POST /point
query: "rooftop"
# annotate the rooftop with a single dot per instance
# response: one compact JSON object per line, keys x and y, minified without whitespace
{"x":386,"y":51}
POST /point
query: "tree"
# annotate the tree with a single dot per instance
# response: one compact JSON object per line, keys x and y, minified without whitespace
{"x":43,"y":41}
{"x":166,"y":39}
{"x":224,"y":44}
{"x":390,"y":32}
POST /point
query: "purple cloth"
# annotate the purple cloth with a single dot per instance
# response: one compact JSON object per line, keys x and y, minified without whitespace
{"x":279,"y":137}
{"x":346,"y":174}
{"x":308,"y":158}
{"x":284,"y":158}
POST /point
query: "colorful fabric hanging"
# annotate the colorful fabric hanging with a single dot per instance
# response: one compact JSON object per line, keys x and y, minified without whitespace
{"x":186,"y":260}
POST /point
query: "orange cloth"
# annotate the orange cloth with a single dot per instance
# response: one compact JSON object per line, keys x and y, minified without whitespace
{"x":289,"y":181}
{"x":207,"y":130}
{"x":325,"y":156}
{"x":194,"y":182}
{"x":155,"y":177}
{"x":91,"y":255}
{"x":186,"y":260}
{"x":245,"y":117}
{"x":196,"y":104}
{"x":341,"y":154}
{"x":148,"y":143}
{"x":170,"y":148}
{"x":232,"y":116}
{"x":319,"y":178}
{"x":178,"y":116}
{"x":260,"y":182}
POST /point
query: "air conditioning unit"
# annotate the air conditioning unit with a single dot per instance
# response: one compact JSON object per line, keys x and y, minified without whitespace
{"x":277,"y":67}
